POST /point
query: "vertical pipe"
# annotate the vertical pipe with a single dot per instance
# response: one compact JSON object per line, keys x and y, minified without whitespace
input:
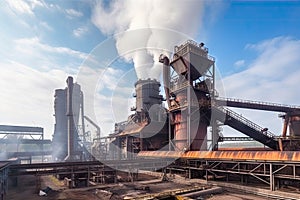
{"x":271,"y":178}
{"x":214,"y":82}
{"x":166,"y":76}
{"x":82,"y":115}
{"x":169,"y":129}
{"x":190,"y":84}
{"x":43,"y":147}
{"x":166,"y":80}
{"x":206,"y":171}
{"x":285,"y":125}
{"x":214,"y":134}
{"x":70,"y":119}
{"x":189,"y":117}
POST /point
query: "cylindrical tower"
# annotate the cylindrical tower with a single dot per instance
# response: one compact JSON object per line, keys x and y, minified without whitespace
{"x":148,"y":99}
{"x":147,"y":94}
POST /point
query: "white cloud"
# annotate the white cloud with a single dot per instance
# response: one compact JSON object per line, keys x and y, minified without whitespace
{"x":273,"y":77}
{"x":71,"y":13}
{"x":26,"y":95}
{"x":30,"y":71}
{"x":20,"y":6}
{"x":37,"y":3}
{"x":34,"y":47}
{"x":46,"y":25}
{"x":32,"y":52}
{"x":107,"y":94}
{"x":239,"y":63}
{"x":80,"y":31}
{"x":25,"y":7}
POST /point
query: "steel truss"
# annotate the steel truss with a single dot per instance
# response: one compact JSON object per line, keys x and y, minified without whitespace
{"x":273,"y":174}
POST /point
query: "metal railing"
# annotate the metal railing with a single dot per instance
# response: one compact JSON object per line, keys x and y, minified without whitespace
{"x":261,"y":103}
{"x":246,"y":121}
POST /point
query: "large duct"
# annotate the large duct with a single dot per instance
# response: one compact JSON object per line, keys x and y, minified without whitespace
{"x":166,"y":76}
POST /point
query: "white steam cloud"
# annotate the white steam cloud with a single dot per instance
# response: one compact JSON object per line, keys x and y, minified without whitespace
{"x":144,"y":29}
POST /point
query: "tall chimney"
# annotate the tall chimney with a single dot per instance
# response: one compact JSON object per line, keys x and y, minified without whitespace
{"x":71,"y":131}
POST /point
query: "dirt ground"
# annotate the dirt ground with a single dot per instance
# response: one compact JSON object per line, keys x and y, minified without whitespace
{"x":27,"y":189}
{"x":236,"y":196}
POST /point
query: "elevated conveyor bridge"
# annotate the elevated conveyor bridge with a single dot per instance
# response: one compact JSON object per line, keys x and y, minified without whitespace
{"x":257,"y":105}
{"x":245,"y":126}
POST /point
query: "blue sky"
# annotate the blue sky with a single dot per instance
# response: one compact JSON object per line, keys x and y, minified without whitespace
{"x":256,"y":45}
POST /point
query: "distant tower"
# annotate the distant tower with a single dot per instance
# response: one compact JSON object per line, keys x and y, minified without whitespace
{"x":60,"y":137}
{"x":65,"y":137}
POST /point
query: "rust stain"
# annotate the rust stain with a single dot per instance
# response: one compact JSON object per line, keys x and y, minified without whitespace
{"x":293,"y":156}
{"x":245,"y":149}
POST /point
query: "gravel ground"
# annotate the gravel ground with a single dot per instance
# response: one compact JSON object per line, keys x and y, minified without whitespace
{"x":27,"y":190}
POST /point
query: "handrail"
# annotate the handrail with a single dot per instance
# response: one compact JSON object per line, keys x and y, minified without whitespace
{"x":247,"y":122}
{"x":262,"y":103}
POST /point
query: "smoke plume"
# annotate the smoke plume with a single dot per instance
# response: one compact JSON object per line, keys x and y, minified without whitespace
{"x":157,"y":25}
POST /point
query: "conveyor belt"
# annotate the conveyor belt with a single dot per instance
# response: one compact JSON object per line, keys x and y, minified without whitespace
{"x":245,"y":126}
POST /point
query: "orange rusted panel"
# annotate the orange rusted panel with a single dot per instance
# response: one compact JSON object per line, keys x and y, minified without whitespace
{"x":133,"y":129}
{"x":289,"y":156}
{"x":245,"y":149}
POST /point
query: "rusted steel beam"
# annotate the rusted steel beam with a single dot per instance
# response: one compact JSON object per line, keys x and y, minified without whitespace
{"x":272,"y":156}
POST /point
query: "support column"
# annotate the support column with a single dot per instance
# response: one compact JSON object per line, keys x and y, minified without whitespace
{"x":242,"y":179}
{"x":88,"y":177}
{"x":37,"y":183}
{"x":271,"y":178}
{"x":115,"y":176}
{"x":206,"y":171}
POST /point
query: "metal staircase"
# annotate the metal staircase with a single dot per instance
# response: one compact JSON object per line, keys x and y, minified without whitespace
{"x":245,"y":126}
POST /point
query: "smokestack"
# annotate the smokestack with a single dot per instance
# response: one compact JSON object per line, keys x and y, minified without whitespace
{"x":71,"y":131}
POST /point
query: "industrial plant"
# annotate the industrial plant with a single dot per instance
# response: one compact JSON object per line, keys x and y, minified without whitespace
{"x":175,"y":137}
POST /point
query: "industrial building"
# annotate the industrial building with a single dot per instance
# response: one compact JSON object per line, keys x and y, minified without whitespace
{"x":194,"y":107}
{"x":70,"y":140}
{"x":182,"y":137}
{"x":147,"y":128}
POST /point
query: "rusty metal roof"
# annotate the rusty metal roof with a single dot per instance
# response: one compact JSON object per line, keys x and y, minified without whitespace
{"x":133,"y":129}
{"x":286,"y":156}
{"x":149,"y":129}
